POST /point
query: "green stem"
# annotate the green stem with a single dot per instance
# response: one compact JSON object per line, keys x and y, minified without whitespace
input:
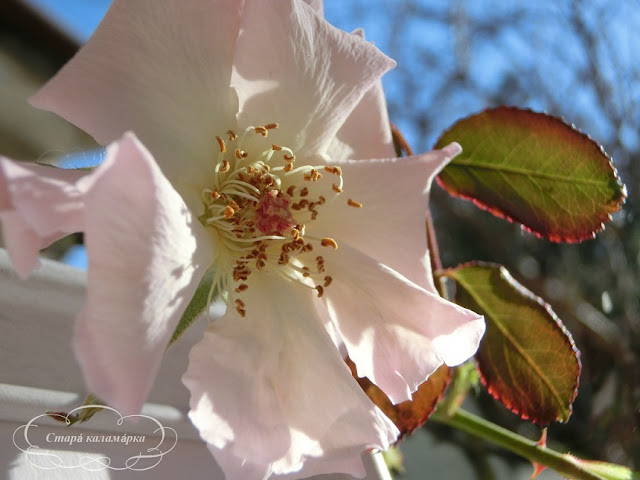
{"x":474,"y":425}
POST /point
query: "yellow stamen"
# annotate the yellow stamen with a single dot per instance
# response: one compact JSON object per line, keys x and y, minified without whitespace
{"x":225,"y":167}
{"x":229,"y":211}
{"x":223,"y":148}
{"x":335,"y":170}
{"x":329,"y":242}
{"x":313,"y":175}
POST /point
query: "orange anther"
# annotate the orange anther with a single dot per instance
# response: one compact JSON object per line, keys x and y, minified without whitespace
{"x":329,"y":242}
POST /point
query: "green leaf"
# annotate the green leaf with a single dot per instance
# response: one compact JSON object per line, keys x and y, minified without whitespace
{"x":533,"y":169}
{"x":196,"y":306}
{"x":411,"y":414}
{"x":527,"y":359}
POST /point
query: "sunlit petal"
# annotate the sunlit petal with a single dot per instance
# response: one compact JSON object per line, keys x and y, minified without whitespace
{"x":294,"y":68}
{"x":396,"y":332}
{"x":25,"y":188}
{"x":259,"y":386}
{"x":163,"y":73}
{"x":146,"y":257}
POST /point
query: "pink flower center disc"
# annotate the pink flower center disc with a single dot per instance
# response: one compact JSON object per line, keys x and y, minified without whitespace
{"x":272,"y":215}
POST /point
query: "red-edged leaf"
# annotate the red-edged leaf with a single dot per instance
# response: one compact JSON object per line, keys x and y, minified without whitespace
{"x":527,"y":359}
{"x":533,"y":169}
{"x":409,"y":415}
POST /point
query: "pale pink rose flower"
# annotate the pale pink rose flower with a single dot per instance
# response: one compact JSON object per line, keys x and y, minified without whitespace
{"x":218,"y":187}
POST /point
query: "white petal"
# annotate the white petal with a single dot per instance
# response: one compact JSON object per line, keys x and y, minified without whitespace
{"x":146,"y":257}
{"x":160,"y":71}
{"x":396,"y":333}
{"x":271,"y":392}
{"x":293,"y":68}
{"x":21,"y":242}
{"x":390,"y":226}
{"x":366,"y":133}
{"x":38,"y":205}
{"x":317,"y":5}
{"x":347,"y":461}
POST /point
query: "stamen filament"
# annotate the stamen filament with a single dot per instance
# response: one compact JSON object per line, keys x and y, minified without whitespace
{"x":242,"y":194}
{"x":257,"y":239}
{"x":242,"y":184}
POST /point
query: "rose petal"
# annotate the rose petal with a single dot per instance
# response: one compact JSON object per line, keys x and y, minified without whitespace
{"x":390,"y":226}
{"x":317,"y":5}
{"x":163,"y":73}
{"x":294,"y":68}
{"x":366,"y":133}
{"x":396,"y":333}
{"x":348,"y":461}
{"x":146,"y":257}
{"x":259,"y":389}
{"x":235,"y":470}
{"x":38,"y":205}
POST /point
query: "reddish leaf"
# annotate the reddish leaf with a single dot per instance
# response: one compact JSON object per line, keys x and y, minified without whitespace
{"x":533,"y":169}
{"x":527,"y":359}
{"x":409,"y":415}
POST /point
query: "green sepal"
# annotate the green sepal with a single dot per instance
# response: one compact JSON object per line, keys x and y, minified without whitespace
{"x":197,"y":305}
{"x":464,"y":378}
{"x":82,"y":415}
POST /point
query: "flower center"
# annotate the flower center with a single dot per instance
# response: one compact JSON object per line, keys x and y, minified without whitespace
{"x":259,"y":204}
{"x":272,"y":214}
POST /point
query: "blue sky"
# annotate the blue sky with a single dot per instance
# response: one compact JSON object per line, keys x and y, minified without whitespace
{"x":79,"y":17}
